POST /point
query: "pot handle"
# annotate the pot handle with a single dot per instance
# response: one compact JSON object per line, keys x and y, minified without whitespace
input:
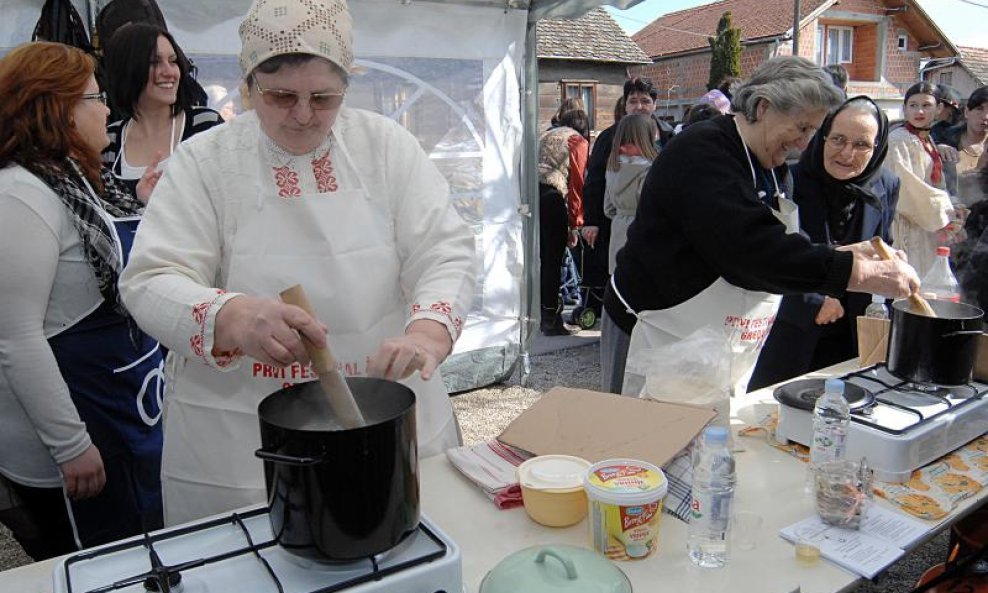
{"x":558,"y":555}
{"x":286,"y":459}
{"x":961,"y":332}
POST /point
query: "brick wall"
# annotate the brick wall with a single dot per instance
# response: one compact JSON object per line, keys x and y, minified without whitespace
{"x":691,"y":74}
{"x":901,"y":67}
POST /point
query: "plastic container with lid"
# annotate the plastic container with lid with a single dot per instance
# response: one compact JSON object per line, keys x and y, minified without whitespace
{"x":552,"y":489}
{"x":625,"y":498}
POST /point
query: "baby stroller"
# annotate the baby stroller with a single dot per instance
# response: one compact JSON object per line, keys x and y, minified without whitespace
{"x":586,"y":300}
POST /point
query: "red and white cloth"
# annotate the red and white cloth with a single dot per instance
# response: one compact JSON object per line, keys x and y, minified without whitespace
{"x":492,"y":466}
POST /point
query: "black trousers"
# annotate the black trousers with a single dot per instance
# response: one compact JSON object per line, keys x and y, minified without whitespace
{"x":553,"y":231}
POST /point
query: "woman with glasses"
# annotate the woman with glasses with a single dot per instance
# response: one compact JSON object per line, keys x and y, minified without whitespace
{"x":716,"y":241}
{"x":147,"y":75}
{"x":302,"y":190}
{"x":925,"y":217}
{"x":844,"y":196}
{"x":80,"y":384}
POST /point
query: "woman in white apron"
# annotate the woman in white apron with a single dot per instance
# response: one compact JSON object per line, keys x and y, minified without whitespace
{"x":302,"y":190}
{"x":716,"y":242}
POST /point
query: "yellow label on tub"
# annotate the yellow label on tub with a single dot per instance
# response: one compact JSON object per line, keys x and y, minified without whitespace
{"x":625,"y":532}
{"x":626,"y":478}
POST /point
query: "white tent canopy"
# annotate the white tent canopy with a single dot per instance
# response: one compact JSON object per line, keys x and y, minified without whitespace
{"x":461,"y":75}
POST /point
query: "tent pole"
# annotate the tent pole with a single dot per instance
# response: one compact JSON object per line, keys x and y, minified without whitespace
{"x":529,"y":197}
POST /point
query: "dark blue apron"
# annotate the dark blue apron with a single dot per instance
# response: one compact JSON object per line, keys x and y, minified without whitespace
{"x":117,"y":385}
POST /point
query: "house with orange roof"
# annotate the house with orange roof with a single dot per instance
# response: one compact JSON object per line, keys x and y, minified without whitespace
{"x":965,"y":72}
{"x":881,"y":43}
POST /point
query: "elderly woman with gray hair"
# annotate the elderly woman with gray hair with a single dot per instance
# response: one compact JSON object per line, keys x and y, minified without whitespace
{"x":301,"y":190}
{"x":716,"y":242}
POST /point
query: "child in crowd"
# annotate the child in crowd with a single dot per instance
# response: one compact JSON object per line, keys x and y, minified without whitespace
{"x":632,"y":153}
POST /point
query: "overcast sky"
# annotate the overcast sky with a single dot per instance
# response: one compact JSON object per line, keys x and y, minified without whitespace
{"x":963,"y":21}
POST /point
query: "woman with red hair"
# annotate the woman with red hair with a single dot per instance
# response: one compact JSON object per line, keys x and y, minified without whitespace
{"x":80,"y":384}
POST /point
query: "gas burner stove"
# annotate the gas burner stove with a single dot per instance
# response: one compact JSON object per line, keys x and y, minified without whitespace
{"x":238,"y":553}
{"x":906,"y":426}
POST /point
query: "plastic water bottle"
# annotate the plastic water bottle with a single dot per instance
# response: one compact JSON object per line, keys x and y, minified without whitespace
{"x":831,"y":417}
{"x":940,"y":281}
{"x":713,"y":498}
{"x":877,"y":309}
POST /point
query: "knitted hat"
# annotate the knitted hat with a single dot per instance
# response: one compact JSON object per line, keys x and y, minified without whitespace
{"x":320,"y":28}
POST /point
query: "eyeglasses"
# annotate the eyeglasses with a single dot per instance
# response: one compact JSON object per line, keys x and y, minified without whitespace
{"x":288,"y":99}
{"x":859,"y":146}
{"x":100,"y":96}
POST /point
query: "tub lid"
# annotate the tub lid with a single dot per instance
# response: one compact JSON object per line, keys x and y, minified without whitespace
{"x":553,"y":472}
{"x":626,"y":477}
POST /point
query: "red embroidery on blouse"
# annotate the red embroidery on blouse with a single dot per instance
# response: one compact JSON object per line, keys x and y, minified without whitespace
{"x":196,"y":343}
{"x":199,"y":312}
{"x":322,"y":168}
{"x":442,"y":307}
{"x":287,"y":181}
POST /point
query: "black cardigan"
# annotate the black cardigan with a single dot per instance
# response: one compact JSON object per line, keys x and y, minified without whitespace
{"x":701,"y":219}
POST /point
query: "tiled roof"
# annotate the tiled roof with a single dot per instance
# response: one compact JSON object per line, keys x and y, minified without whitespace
{"x":594,"y":37}
{"x":688,"y":29}
{"x":976,"y":60}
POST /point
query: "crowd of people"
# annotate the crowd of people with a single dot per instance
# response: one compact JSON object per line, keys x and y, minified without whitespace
{"x":719,"y":222}
{"x":782,"y":259}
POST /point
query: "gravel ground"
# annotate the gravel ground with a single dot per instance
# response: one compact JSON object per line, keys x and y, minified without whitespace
{"x":572,"y":362}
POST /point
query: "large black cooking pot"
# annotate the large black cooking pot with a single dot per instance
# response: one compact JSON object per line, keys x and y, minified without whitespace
{"x":338,"y":495}
{"x":934,"y":350}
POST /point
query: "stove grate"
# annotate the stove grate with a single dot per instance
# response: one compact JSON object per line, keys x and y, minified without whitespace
{"x":159,"y":571}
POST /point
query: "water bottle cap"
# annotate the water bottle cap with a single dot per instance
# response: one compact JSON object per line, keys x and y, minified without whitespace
{"x":877,"y":298}
{"x":834,"y":386}
{"x":715,"y":434}
{"x":945,"y":251}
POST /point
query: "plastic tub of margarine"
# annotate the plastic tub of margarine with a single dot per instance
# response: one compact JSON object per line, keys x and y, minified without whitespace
{"x":625,"y":501}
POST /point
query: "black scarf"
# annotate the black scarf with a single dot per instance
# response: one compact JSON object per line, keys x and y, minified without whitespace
{"x":843,"y":196}
{"x":98,"y":240}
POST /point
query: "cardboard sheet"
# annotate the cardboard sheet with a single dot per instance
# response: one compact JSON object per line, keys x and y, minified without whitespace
{"x":598,"y":426}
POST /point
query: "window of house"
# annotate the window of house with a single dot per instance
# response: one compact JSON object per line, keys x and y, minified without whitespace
{"x":834,"y":44}
{"x":902,"y":42}
{"x":946,"y":78}
{"x":586,"y":90}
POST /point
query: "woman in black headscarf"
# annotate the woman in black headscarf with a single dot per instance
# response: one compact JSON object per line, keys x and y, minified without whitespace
{"x":844,"y":196}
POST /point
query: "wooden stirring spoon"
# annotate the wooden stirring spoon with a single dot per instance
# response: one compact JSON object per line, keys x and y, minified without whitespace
{"x":334,"y":385}
{"x":919,"y":304}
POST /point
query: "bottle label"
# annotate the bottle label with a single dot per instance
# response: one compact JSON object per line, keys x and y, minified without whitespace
{"x":828,"y":444}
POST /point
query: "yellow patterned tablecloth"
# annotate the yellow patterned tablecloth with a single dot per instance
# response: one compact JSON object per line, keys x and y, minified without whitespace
{"x":932,"y":491}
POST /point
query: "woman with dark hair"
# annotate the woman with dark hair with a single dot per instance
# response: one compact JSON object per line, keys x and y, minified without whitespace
{"x":80,"y":384}
{"x":146,"y":72}
{"x":968,"y":137}
{"x":844,"y":196}
{"x":563,"y":152}
{"x":925,"y":216}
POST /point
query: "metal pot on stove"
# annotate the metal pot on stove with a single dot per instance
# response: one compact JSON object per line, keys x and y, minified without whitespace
{"x":937,"y":350}
{"x":339,"y":495}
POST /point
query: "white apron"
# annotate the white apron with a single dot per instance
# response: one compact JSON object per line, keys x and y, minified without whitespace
{"x":746,"y":316}
{"x":341,"y":247}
